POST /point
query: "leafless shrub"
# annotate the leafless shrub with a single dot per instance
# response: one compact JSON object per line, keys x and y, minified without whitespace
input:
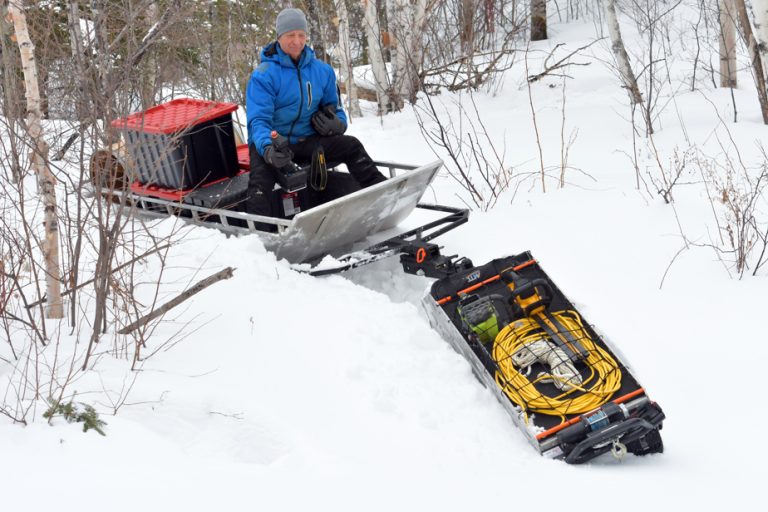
{"x":740,"y":203}
{"x":475,"y":162}
{"x":102,"y":242}
{"x":664,"y":178}
{"x":483,"y":47}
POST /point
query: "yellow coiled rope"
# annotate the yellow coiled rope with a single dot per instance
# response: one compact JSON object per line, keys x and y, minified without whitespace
{"x":604,"y":379}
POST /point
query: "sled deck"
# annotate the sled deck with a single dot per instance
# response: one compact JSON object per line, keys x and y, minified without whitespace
{"x":331,"y":228}
{"x":571,"y":393}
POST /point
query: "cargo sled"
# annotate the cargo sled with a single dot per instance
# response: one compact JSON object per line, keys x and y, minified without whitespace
{"x":571,"y":393}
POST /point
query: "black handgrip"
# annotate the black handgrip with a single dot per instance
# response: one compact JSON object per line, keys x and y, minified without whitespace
{"x":279,"y":141}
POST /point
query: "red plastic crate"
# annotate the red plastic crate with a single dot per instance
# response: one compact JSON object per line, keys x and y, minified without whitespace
{"x":168,"y":194}
{"x":243,"y":157}
{"x":174,"y":116}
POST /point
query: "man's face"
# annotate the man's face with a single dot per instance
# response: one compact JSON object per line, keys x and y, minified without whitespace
{"x":293,"y":42}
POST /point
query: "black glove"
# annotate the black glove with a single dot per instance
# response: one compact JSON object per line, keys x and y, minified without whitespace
{"x":326,"y":122}
{"x":277,"y":157}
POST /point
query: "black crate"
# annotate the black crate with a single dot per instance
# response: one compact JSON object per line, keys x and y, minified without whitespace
{"x":200,"y":155}
{"x":181,"y":144}
{"x":228,"y":194}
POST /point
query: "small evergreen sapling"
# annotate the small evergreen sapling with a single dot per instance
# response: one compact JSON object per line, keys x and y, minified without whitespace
{"x":76,"y":413}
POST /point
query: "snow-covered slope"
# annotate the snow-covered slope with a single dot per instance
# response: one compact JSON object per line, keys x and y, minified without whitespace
{"x":278,"y":391}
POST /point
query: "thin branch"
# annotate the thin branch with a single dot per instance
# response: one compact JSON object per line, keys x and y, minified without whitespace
{"x":197,"y":288}
{"x":562,"y":63}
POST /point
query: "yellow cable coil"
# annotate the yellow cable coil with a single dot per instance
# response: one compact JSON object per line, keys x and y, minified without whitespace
{"x":603,"y":382}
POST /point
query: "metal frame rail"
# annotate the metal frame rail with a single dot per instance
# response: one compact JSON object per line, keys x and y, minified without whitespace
{"x":231,"y":222}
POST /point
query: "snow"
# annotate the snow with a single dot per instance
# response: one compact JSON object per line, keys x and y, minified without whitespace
{"x":276,"y":390}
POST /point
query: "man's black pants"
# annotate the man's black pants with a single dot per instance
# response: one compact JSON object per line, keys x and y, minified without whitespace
{"x":338,"y":149}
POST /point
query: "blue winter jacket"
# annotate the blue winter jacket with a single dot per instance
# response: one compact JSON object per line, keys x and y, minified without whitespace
{"x":282,"y":95}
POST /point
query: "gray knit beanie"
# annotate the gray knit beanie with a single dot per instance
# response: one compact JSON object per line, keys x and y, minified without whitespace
{"x":290,"y":19}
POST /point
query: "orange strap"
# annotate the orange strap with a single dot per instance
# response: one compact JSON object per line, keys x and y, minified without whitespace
{"x":475,"y":286}
{"x":554,"y":430}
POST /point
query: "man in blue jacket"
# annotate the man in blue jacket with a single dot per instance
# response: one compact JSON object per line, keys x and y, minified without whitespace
{"x":295,"y":94}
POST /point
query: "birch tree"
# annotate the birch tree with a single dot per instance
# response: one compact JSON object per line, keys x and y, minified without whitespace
{"x":344,"y":56}
{"x":754,"y":55}
{"x":149,"y":77}
{"x":620,"y":53}
{"x":373,"y":35}
{"x":78,"y":52}
{"x":45,"y":179}
{"x":316,"y":28}
{"x":407,"y":25}
{"x":538,"y":20}
{"x":727,"y":43}
{"x":760,"y":8}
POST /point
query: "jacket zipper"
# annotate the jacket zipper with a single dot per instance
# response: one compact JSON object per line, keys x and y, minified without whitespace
{"x":301,"y":102}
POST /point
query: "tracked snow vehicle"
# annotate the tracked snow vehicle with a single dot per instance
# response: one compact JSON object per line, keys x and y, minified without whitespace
{"x":181,"y":159}
{"x":569,"y":391}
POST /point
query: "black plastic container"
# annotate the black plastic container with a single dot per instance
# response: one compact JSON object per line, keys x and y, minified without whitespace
{"x":227,"y":194}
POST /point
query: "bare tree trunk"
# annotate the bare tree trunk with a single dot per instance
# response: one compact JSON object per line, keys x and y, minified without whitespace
{"x":46,"y":181}
{"x":373,"y":34}
{"x":100,"y":51}
{"x":417,"y":48}
{"x":467,"y":28}
{"x":346,"y":75}
{"x":538,"y":20}
{"x":620,"y":53}
{"x":10,"y":91}
{"x":399,"y":17}
{"x":315,"y":29}
{"x":760,"y":8}
{"x":149,"y":75}
{"x":76,"y":44}
{"x":754,"y":54}
{"x":490,"y":16}
{"x":727,"y":43}
{"x":408,"y":21}
{"x":211,"y":49}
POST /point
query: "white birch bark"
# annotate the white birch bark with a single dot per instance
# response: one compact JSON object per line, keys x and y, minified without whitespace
{"x":727,"y":44}
{"x":407,"y":24}
{"x":400,"y":30}
{"x":373,"y":33}
{"x":754,"y":53}
{"x":760,"y":7}
{"x":620,"y":53}
{"x":76,"y":44}
{"x":46,"y":181}
{"x":149,"y":71}
{"x":344,"y":54}
{"x":417,"y":44}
